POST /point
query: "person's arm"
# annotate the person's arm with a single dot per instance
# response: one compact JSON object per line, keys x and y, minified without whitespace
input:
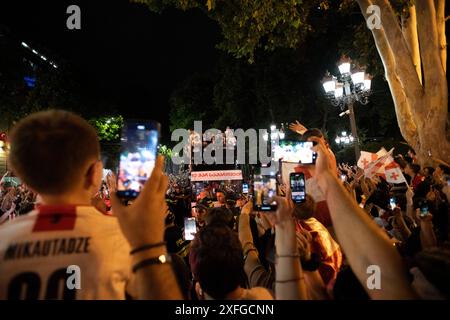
{"x":427,"y":235}
{"x":402,"y":227}
{"x":257,"y":275}
{"x":142,"y":224}
{"x":289,"y":279}
{"x":410,"y":205}
{"x":364,"y":243}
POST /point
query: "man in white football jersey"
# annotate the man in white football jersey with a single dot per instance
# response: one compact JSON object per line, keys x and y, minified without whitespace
{"x":65,"y":248}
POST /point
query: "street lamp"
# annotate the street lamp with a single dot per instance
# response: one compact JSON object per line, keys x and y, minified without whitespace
{"x":344,"y":138}
{"x":345,"y":90}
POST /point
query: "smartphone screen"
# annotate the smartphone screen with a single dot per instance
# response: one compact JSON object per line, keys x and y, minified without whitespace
{"x":392,"y":203}
{"x":264,"y":188}
{"x":297,"y":183}
{"x":190,"y":228}
{"x":423,"y":210}
{"x":245,"y":188}
{"x":295,"y":152}
{"x":138,"y":152}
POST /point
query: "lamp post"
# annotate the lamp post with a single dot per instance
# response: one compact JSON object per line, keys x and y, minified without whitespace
{"x":345,"y":90}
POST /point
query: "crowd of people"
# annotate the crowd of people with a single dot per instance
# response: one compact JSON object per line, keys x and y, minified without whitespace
{"x":320,"y":249}
{"x":15,"y":199}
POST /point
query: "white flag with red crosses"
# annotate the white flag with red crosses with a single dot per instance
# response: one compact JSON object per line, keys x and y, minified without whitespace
{"x":393,"y":172}
{"x":381,"y":164}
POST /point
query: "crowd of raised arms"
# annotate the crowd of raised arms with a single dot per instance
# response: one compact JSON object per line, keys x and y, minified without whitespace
{"x":353,"y":243}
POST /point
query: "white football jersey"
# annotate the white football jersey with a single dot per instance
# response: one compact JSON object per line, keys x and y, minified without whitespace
{"x":64,"y":252}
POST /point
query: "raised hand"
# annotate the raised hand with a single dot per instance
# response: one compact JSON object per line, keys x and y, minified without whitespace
{"x":142,"y":222}
{"x":297,"y":127}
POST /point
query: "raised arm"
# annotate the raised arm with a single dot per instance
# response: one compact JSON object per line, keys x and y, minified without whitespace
{"x":290,"y":281}
{"x":142,"y":224}
{"x":363,"y":242}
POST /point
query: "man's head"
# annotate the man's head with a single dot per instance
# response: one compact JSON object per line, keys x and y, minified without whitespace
{"x":216,"y":261}
{"x":428,"y":171}
{"x":314,"y":132}
{"x":56,"y":152}
{"x":220,"y":195}
{"x":305,"y":210}
{"x":441,"y":170}
{"x":412,"y":169}
{"x":219,"y":215}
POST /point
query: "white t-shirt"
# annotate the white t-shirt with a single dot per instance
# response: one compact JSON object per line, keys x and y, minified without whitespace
{"x":36,"y":250}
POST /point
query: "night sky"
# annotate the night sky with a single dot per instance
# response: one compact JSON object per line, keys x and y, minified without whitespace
{"x":123,"y":52}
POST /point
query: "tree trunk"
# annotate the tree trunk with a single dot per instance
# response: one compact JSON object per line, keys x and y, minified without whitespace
{"x":420,"y":99}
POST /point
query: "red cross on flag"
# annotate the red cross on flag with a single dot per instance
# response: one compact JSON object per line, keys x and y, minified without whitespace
{"x":366,"y":158}
{"x":393,"y":172}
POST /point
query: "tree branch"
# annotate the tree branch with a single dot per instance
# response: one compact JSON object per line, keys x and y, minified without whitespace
{"x":434,"y":74}
{"x":409,"y":29}
{"x":440,"y":21}
{"x":404,"y":64}
{"x":402,"y":108}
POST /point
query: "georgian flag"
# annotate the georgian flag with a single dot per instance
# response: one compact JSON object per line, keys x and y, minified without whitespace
{"x":383,"y":165}
{"x":393,"y":172}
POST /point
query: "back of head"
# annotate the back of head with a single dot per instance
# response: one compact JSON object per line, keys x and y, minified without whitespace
{"x":219,"y":215}
{"x":216,"y":260}
{"x":445,"y":169}
{"x":434,"y":263}
{"x":414,"y":167}
{"x":50,"y":149}
{"x":314,"y":132}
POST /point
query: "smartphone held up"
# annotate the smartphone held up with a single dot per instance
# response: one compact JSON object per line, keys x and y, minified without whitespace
{"x":138,"y":152}
{"x":298,"y":187}
{"x":264,"y":188}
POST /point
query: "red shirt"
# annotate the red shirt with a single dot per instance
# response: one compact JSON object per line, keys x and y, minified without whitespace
{"x":418,"y":179}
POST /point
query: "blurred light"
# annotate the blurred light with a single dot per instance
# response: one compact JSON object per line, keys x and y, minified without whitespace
{"x":367,"y":84}
{"x":339,"y":92}
{"x":265,"y":136}
{"x":329,"y":86}
{"x":337,"y":140}
{"x":358,"y":77}
{"x":344,"y":68}
{"x":273,"y":127}
{"x":44,"y":58}
{"x":141,"y":127}
{"x":344,"y":133}
{"x":34,"y":51}
{"x":24,"y":45}
{"x":282,"y":135}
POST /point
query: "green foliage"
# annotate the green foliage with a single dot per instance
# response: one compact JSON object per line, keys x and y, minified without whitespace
{"x":108,"y":128}
{"x":248,"y":25}
{"x":165,"y":151}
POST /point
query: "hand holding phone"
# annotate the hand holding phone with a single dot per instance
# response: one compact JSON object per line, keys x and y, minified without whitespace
{"x":424,"y":210}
